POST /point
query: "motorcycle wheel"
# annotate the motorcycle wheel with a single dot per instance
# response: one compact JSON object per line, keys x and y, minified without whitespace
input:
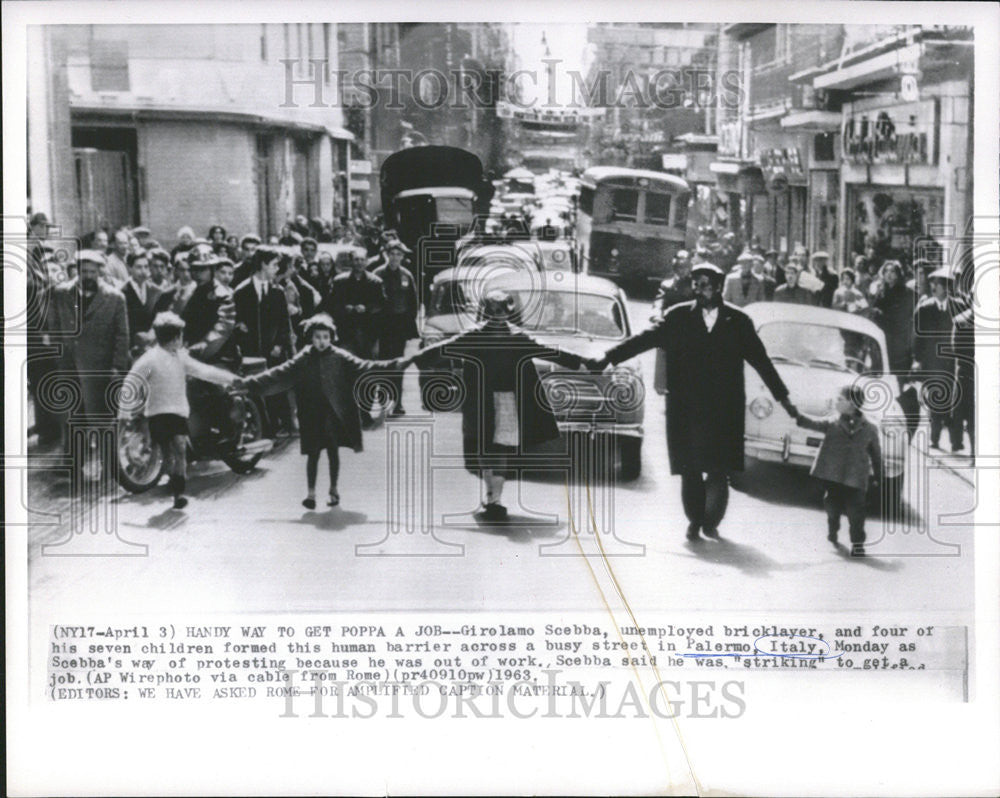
{"x":140,"y":461}
{"x":253,"y":430}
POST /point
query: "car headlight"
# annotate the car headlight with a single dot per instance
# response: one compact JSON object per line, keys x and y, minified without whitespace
{"x":761,"y":407}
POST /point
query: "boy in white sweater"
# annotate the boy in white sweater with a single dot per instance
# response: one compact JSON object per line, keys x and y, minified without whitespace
{"x":158,"y":380}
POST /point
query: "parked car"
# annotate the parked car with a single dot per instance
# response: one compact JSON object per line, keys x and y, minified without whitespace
{"x":817,"y":352}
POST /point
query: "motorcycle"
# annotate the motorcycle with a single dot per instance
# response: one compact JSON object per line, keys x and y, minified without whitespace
{"x":222,"y":426}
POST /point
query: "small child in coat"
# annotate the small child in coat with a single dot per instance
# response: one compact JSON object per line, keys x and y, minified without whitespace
{"x":324,"y":378}
{"x":158,"y":380}
{"x":850,"y":446}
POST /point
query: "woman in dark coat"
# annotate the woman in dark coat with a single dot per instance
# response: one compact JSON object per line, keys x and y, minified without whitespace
{"x":503,"y":409}
{"x":324,"y":378}
{"x":894,"y":305}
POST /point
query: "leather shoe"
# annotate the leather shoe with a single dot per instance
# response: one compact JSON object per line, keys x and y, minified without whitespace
{"x":710,"y":532}
{"x":692,"y":533}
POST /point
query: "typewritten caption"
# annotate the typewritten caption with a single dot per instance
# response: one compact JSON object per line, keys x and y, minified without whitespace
{"x":316,"y":669}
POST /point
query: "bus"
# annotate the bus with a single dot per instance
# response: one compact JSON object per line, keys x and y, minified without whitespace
{"x":630,"y":223}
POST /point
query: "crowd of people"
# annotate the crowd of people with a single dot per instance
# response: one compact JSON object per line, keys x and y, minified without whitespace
{"x":925,"y":312}
{"x":219,"y":300}
{"x":236,"y":297}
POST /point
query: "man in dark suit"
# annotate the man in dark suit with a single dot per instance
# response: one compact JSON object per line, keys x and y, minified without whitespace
{"x":356,"y":301}
{"x":706,"y":342}
{"x":141,"y":298}
{"x":263,"y":326}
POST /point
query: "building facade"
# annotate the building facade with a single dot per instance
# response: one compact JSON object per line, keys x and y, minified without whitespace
{"x":846,"y":137}
{"x":167,"y":126}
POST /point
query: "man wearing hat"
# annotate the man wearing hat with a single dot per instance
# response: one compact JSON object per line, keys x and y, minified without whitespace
{"x":90,"y":318}
{"x":934,"y":364}
{"x":742,"y":286}
{"x":210,"y":314}
{"x":706,"y":343}
{"x":398,"y":323}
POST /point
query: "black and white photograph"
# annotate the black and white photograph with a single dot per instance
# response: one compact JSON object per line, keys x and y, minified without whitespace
{"x":573,"y":399}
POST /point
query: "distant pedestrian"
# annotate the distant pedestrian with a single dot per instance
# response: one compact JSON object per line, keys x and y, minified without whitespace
{"x":398,"y":323}
{"x":159,"y":383}
{"x":847,"y":297}
{"x":676,"y":288}
{"x":894,"y":304}
{"x":850,"y":450}
{"x":355,"y":304}
{"x":742,"y":287}
{"x":790,"y":291}
{"x":934,"y":363}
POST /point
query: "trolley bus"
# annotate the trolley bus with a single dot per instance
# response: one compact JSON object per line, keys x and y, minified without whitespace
{"x":630,"y":223}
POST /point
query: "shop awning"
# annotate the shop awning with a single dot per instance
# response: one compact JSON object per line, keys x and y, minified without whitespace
{"x":870,"y":70}
{"x":340,"y":133}
{"x":812,"y":120}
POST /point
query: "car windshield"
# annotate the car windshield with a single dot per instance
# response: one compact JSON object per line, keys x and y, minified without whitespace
{"x":449,"y":297}
{"x":559,"y":312}
{"x":454,"y":210}
{"x":822,"y":346}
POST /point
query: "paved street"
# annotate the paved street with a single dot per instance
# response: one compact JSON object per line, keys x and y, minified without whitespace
{"x":246,"y":543}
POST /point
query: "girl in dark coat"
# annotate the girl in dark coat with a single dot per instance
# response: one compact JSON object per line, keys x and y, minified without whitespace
{"x":503,"y":407}
{"x":324,"y":377}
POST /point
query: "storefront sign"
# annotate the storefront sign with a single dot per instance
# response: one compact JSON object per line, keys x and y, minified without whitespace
{"x":361,"y":167}
{"x":902,"y":134}
{"x":730,"y":140}
{"x":782,"y":166}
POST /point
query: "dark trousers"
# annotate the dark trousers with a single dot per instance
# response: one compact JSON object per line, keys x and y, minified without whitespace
{"x":392,"y":344}
{"x":47,"y":424}
{"x":704,"y":497}
{"x":844,"y":500}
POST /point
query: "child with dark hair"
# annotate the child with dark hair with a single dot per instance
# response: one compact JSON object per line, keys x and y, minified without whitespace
{"x":324,"y":378}
{"x":850,"y":449}
{"x":157,"y":385}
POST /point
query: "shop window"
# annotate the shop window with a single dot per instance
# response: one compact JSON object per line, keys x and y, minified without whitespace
{"x":823,"y":147}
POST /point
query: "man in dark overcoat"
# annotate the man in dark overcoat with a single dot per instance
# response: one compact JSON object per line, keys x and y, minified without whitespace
{"x":934,"y":363}
{"x":398,"y":322}
{"x":90,"y":319}
{"x":355,"y":303}
{"x":706,"y":343}
{"x":503,"y":407}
